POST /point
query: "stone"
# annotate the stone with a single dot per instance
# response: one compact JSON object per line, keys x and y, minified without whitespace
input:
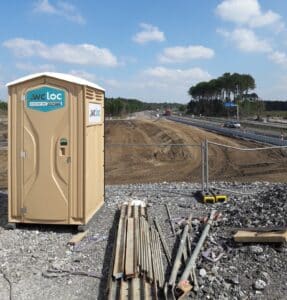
{"x":259,"y":284}
{"x":202,"y":273}
{"x":234,"y":280}
{"x":256,"y":249}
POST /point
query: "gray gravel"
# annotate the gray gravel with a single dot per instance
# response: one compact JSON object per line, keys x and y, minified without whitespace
{"x":242,"y":271}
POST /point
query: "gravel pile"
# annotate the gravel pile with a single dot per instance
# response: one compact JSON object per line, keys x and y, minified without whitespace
{"x":33,"y":258}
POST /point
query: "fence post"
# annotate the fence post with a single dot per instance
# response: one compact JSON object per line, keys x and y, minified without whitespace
{"x":202,"y":165}
{"x":206,"y":165}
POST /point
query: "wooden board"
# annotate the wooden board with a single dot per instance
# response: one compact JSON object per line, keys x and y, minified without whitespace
{"x":243,"y":236}
{"x":77,"y":237}
{"x":129,"y":257}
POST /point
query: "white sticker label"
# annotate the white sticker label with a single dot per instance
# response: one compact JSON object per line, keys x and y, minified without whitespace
{"x":94,"y":113}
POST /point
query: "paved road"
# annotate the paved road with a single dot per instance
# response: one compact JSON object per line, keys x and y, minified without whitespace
{"x":210,"y":126}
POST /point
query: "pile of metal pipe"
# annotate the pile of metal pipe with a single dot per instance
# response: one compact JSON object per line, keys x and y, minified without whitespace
{"x":184,"y":285}
{"x":137,"y":271}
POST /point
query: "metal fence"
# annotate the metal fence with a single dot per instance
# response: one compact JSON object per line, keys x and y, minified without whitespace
{"x":206,"y":164}
{"x":242,"y":164}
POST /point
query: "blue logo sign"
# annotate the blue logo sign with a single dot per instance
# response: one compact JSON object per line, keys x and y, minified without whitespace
{"x":45,"y":99}
{"x":230,"y":104}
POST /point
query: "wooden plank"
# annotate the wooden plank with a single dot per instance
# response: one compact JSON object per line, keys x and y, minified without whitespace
{"x":136,"y":292}
{"x":136,"y":239}
{"x":77,"y":238}
{"x":118,"y":269}
{"x":124,"y":291}
{"x":243,"y":236}
{"x":129,"y":257}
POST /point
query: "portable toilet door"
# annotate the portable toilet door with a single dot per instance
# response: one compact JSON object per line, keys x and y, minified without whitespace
{"x":46,"y":128}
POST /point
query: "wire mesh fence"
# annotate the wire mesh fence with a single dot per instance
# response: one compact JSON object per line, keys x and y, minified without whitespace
{"x":242,"y":164}
{"x":149,"y":163}
{"x":142,"y":163}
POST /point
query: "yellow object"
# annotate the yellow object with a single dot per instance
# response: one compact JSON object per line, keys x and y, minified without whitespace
{"x":209,"y":199}
{"x":221,"y":198}
{"x":56,"y":149}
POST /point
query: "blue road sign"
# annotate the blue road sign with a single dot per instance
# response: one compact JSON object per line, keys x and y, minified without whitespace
{"x":230,"y":104}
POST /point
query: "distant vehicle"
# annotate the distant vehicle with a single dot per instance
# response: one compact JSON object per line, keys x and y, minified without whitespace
{"x":231,"y":124}
{"x":167,"y":112}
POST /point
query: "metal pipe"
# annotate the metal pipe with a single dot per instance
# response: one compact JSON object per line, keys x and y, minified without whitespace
{"x":191,"y":262}
{"x":179,"y":253}
{"x":169,"y":218}
{"x":163,"y":242}
{"x":159,"y":259}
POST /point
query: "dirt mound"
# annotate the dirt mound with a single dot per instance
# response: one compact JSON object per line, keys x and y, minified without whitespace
{"x":128,"y":163}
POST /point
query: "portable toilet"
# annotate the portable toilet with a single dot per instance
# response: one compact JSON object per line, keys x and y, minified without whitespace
{"x":56,"y":149}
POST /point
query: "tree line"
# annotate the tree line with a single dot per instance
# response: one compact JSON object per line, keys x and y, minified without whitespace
{"x":209,"y":97}
{"x":123,"y":106}
{"x":225,"y":88}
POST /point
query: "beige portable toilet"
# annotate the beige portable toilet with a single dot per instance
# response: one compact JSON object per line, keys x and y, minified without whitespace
{"x":56,"y":149}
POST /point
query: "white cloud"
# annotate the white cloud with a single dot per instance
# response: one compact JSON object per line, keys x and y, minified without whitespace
{"x":183,"y":54}
{"x":187,"y":75}
{"x":149,"y":33}
{"x":83,"y":74}
{"x":248,"y":12}
{"x":33,"y":68}
{"x":246,"y":40}
{"x":157,"y":84}
{"x":279,"y":58}
{"x":82,"y":54}
{"x":61,"y":8}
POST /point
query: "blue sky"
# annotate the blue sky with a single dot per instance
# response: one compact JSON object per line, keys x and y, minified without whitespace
{"x":150,"y":50}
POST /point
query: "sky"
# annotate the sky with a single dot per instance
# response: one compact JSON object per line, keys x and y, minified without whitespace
{"x":149,"y":50}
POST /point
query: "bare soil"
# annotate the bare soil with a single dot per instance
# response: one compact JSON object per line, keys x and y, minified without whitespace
{"x":127,"y":163}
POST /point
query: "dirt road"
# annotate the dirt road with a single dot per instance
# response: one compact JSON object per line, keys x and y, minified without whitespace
{"x":155,"y":164}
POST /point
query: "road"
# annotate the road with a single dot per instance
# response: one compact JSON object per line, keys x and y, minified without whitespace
{"x":236,"y":133}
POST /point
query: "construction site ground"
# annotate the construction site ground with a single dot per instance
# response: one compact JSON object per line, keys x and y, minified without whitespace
{"x":255,"y":271}
{"x":159,"y":175}
{"x":135,"y":164}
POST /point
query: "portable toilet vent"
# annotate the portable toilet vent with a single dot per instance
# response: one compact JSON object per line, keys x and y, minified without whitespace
{"x":56,"y":149}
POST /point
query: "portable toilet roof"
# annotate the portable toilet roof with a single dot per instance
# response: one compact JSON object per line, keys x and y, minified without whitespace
{"x":61,"y":76}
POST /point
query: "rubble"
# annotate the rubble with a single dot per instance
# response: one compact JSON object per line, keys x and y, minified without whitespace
{"x":29,"y":251}
{"x":259,"y":284}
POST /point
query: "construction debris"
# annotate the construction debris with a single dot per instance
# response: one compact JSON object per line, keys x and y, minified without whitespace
{"x":51,"y":273}
{"x":77,"y":238}
{"x":211,"y":196}
{"x":243,"y":236}
{"x":137,"y":265}
{"x":163,"y":242}
{"x":184,"y":286}
{"x":169,"y":219}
